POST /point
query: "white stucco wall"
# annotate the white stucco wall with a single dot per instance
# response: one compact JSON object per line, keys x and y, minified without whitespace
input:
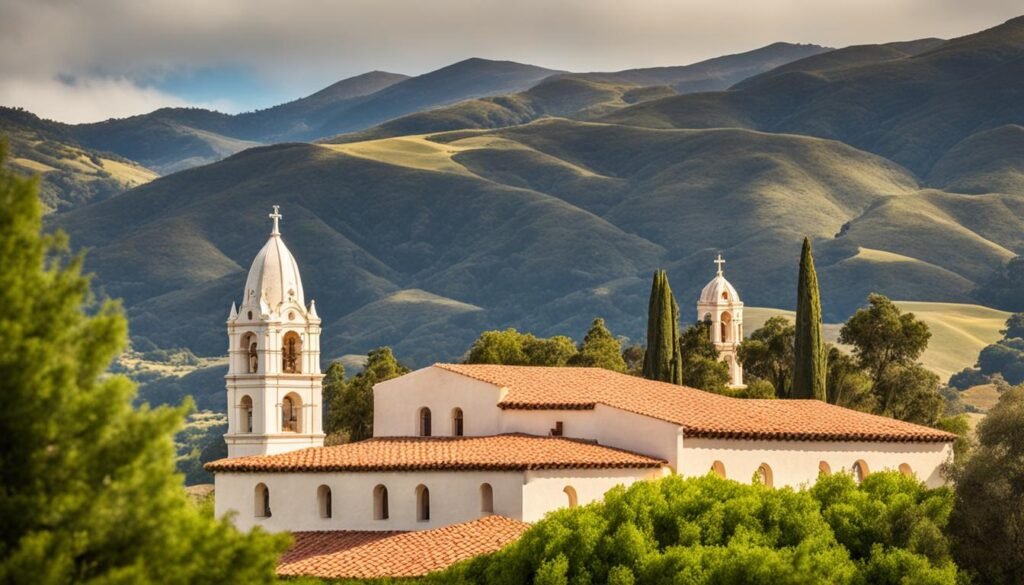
{"x":795,"y":463}
{"x":454,"y":497}
{"x":397,"y":403}
{"x":608,"y":426}
{"x":544,"y":490}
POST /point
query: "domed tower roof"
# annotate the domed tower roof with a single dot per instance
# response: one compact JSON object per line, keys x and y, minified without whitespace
{"x":719,"y":291}
{"x":274,"y":276}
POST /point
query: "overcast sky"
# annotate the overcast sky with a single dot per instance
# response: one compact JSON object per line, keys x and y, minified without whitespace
{"x":86,"y":61}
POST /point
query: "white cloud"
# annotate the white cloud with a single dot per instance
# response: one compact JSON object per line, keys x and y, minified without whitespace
{"x":89,"y":99}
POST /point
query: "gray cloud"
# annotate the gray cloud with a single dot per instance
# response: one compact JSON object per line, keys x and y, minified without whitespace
{"x":302,"y":45}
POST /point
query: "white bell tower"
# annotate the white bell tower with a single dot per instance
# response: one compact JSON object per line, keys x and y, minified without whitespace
{"x":720,"y":304}
{"x":273,"y":380}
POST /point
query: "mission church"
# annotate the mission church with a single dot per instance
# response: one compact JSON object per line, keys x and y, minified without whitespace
{"x":464,"y":457}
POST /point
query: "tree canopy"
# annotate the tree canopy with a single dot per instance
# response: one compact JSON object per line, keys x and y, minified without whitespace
{"x":768,"y":354}
{"x":701,"y":367}
{"x":90,"y":492}
{"x":350,"y":416}
{"x":599,"y":349}
{"x":987,"y":524}
{"x":709,"y":530}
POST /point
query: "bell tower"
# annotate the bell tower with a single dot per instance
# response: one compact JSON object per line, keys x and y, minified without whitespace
{"x":720,"y":305}
{"x":273,"y":382}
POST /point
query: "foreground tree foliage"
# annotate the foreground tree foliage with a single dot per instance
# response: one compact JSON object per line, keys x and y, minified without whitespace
{"x":709,"y":530}
{"x":89,"y":490}
{"x":988,"y":519}
{"x":350,"y":416}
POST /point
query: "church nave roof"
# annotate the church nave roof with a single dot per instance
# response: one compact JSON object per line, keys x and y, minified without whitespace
{"x":511,"y":452}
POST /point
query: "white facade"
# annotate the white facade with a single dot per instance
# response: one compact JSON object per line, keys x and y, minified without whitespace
{"x":273,"y":380}
{"x":720,"y":305}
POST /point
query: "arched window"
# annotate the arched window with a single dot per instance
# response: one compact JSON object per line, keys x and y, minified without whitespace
{"x":291,"y":352}
{"x":291,"y":410}
{"x":323,"y":500}
{"x":726,"y":326}
{"x":422,"y":503}
{"x":718,"y":468}
{"x":262,"y":501}
{"x":860,"y":470}
{"x":245,"y":409}
{"x":824,"y":468}
{"x":424,"y":422}
{"x":570,"y":492}
{"x":457,"y":422}
{"x":486,"y":499}
{"x":380,"y":503}
{"x":764,"y":475}
{"x":252,"y":357}
{"x":906,"y":470}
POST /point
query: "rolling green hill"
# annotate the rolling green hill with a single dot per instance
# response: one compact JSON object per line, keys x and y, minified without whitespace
{"x":69,"y":173}
{"x":911,"y":109}
{"x":540,"y":226}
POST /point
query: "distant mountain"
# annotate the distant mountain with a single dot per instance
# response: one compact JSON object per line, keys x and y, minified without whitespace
{"x":542,"y":226}
{"x":711,"y":74}
{"x":911,"y":109}
{"x":70,"y":174}
{"x":554,"y":96}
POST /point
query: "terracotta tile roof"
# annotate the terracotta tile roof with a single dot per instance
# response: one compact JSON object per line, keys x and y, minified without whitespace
{"x":701,"y":414}
{"x":493,"y":453}
{"x":345,"y":554}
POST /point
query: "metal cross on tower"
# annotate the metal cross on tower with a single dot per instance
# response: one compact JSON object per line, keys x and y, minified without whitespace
{"x":719,"y":261}
{"x":276,"y":216}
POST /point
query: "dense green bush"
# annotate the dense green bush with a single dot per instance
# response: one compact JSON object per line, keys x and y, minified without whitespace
{"x":708,"y":530}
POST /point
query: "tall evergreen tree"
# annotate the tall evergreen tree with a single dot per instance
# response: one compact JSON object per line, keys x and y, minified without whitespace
{"x":662,"y":359}
{"x":89,"y":490}
{"x":810,"y":355}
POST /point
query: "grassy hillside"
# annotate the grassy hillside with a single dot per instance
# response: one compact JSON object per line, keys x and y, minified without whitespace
{"x":959,"y":331}
{"x":70,"y":174}
{"x":541,"y":226}
{"x":911,"y":109}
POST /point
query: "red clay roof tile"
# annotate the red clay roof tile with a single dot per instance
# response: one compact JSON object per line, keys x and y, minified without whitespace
{"x":701,"y":414}
{"x":345,"y":554}
{"x":492,"y":453}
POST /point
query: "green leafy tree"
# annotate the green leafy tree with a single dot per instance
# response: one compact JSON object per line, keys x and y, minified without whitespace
{"x":512,"y":348}
{"x":768,"y":354}
{"x":887,"y":344}
{"x":90,"y":493}
{"x":334,"y":383}
{"x":1014,"y":327}
{"x":551,"y":351}
{"x":498,"y":347}
{"x":847,"y":384}
{"x":351,"y":415}
{"x":1005,"y":290}
{"x":701,"y":367}
{"x":707,"y":530}
{"x":599,"y":349}
{"x":987,"y":525}
{"x":810,"y":358}
{"x":662,"y":360}
{"x":634,"y":358}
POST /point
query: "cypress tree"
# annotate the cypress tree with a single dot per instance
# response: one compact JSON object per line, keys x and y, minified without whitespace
{"x":811,"y":358}
{"x":662,"y":359}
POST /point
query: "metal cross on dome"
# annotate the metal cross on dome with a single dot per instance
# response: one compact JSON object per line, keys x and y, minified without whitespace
{"x":276,"y":216}
{"x":719,"y":261}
